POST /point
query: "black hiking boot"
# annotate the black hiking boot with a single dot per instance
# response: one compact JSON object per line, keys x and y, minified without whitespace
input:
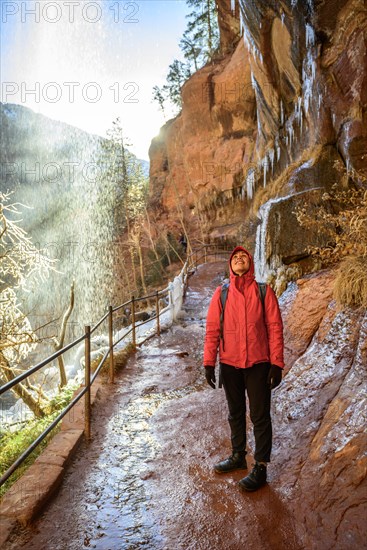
{"x":255,"y":479}
{"x":237,"y":461}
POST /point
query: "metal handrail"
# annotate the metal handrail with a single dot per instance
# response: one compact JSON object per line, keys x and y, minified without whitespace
{"x":40,"y":438}
{"x":37,"y":367}
{"x":191,"y":262}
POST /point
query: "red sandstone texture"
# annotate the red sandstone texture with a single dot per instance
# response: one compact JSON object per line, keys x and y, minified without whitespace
{"x":202,"y":149}
{"x":303,"y":312}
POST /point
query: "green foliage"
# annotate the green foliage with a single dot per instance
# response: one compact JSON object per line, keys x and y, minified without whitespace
{"x":137,"y":193}
{"x":178,"y":73}
{"x":124,"y":186}
{"x":202,"y":28}
{"x":63,"y":398}
{"x":191,"y":49}
{"x":199,"y":44}
{"x":173,"y":249}
{"x":154,"y":276}
{"x":169,"y":251}
{"x":14,"y":443}
{"x":158,"y":96}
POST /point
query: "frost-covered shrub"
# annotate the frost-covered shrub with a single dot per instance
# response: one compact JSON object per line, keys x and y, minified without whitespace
{"x":343,"y":217}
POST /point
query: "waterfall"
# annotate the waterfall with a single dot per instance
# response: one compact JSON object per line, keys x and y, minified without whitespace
{"x":250,"y":183}
{"x":267,"y":262}
{"x":71,"y":218}
{"x":260,"y":258}
{"x":271,"y":157}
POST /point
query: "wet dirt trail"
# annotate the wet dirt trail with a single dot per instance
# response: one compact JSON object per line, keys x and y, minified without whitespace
{"x":146,"y":480}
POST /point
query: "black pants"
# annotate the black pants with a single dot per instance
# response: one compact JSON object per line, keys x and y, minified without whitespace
{"x":254,"y":381}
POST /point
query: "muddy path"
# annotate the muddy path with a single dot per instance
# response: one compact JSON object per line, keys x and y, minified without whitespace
{"x":146,"y":479}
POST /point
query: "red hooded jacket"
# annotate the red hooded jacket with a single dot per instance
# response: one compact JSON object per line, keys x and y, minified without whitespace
{"x":248,"y":338}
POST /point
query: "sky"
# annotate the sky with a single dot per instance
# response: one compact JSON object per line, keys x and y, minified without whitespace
{"x":88,"y":62}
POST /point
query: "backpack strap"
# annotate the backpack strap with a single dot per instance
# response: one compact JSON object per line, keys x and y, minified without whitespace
{"x":223,"y":299}
{"x":262,"y":291}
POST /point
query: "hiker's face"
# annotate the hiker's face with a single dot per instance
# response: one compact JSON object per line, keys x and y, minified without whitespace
{"x":240,"y":263}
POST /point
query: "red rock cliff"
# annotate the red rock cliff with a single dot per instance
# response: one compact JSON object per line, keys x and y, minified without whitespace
{"x":292,"y":95}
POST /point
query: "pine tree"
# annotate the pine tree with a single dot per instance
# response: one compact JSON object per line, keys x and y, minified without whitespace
{"x":199,"y":44}
{"x":124,"y":183}
{"x":177,"y":75}
{"x":191,"y":49}
{"x":123,"y":193}
{"x":203,"y":27}
{"x":159,"y":96}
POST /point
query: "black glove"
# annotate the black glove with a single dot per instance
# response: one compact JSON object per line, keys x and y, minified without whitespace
{"x":274,"y":376}
{"x":210,"y":376}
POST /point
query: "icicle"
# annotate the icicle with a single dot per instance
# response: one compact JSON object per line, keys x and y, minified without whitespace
{"x":306,"y":101}
{"x":259,"y":269}
{"x":253,"y":81}
{"x":271,"y":157}
{"x":290,"y":132}
{"x":310,"y":36}
{"x":258,"y":122}
{"x":281,"y":113}
{"x":233,"y":5}
{"x":347,"y":164}
{"x":308,"y":68}
{"x":250,"y":183}
{"x":282,"y":18}
{"x":265,"y":167}
{"x":277,"y":147}
{"x":250,"y":44}
{"x":301,"y":121}
{"x":313,"y":68}
{"x":298,"y":112}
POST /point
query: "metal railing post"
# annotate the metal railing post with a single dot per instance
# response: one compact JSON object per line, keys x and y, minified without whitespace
{"x":87,"y":407}
{"x":157,"y":312}
{"x":110,"y":338}
{"x":133,"y":319}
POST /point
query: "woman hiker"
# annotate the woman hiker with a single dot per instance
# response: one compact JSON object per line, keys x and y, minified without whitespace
{"x":244,"y":323}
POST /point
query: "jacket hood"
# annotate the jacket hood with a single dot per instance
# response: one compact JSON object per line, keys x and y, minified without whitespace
{"x":250,"y":275}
